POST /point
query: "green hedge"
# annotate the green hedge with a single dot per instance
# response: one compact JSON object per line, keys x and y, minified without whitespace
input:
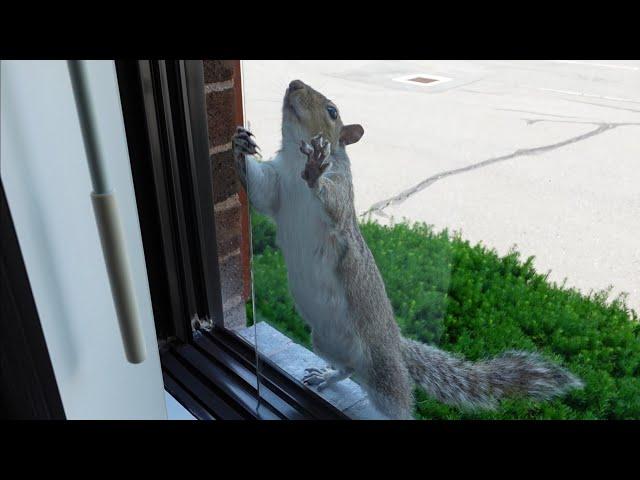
{"x":467,"y":299}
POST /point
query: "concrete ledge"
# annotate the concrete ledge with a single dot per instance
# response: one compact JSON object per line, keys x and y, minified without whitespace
{"x":293,"y":358}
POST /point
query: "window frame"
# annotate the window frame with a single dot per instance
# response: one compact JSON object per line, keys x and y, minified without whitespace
{"x":28,"y":387}
{"x":210,"y":371}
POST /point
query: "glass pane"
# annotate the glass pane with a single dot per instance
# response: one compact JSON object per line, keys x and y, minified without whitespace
{"x":460,"y":241}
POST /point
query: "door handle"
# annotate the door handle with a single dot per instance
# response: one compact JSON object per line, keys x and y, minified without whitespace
{"x":110,"y":229}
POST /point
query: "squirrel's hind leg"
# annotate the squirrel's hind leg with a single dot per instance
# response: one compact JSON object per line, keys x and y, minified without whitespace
{"x":390,"y":388}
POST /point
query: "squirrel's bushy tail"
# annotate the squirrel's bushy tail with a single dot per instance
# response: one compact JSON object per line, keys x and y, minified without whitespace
{"x":482,"y":384}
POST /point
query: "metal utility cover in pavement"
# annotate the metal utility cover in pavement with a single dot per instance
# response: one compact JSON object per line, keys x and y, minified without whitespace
{"x":422,"y":79}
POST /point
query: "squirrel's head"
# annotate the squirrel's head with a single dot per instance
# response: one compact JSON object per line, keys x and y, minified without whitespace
{"x":306,"y":112}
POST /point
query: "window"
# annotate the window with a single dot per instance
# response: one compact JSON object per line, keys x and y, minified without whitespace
{"x":440,"y":196}
{"x":499,"y":202}
{"x":415,"y":239}
{"x":208,"y":368}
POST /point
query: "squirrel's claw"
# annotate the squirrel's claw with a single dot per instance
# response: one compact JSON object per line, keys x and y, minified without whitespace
{"x":243,"y":144}
{"x":321,"y":145}
{"x":316,"y":377}
{"x":240,"y":129}
{"x":317,"y":152}
{"x":305,"y":148}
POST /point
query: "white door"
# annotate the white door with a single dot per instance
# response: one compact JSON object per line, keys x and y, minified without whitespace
{"x":45,"y":174}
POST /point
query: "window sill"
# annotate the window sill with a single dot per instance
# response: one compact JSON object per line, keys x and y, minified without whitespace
{"x":175,"y":411}
{"x":347,"y":396}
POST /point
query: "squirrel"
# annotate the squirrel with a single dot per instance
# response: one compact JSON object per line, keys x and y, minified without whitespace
{"x":337,"y":287}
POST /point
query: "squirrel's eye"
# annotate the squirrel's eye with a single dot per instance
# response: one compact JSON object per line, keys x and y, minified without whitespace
{"x":333,"y":113}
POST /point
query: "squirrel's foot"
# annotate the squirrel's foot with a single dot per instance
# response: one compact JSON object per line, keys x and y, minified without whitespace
{"x":318,"y":377}
{"x":317,"y":159}
{"x":323,"y":377}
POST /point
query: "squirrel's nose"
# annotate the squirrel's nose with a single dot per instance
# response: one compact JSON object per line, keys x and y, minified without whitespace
{"x":296,"y":85}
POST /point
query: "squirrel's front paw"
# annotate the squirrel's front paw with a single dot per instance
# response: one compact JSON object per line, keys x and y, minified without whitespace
{"x":243,"y":145}
{"x":317,"y":159}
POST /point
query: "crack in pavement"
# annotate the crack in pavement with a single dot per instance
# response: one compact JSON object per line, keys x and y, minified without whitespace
{"x":602,"y":127}
{"x":602,"y":105}
{"x":538,"y":113}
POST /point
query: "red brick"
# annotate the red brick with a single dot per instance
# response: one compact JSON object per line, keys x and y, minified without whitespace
{"x":231,"y":276}
{"x":235,"y":317}
{"x":217,"y":70}
{"x":225,"y":180}
{"x":220,"y":117}
{"x":231,"y":288}
{"x":224,"y":112}
{"x":228,"y":225}
{"x":228,"y":239}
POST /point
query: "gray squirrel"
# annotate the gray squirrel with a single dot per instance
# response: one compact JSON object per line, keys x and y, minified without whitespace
{"x":337,"y":287}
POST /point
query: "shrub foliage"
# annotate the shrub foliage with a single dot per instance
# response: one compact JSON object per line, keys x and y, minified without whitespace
{"x":467,"y":299}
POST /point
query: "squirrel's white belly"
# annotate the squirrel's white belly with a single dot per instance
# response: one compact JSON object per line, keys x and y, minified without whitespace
{"x":311,"y":264}
{"x":311,"y":256}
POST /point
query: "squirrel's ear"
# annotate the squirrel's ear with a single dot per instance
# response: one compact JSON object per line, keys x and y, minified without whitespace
{"x":351,"y":134}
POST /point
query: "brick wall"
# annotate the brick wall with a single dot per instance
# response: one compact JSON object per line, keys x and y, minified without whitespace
{"x":223,"y":93}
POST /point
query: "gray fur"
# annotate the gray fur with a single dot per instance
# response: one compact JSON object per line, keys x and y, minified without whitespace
{"x":338,"y":289}
{"x":473,"y":385}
